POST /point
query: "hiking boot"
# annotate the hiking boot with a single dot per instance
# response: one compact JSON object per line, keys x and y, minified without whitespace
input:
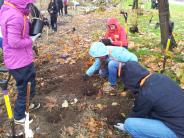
{"x":34,"y":106}
{"x":108,"y":87}
{"x":22,"y":121}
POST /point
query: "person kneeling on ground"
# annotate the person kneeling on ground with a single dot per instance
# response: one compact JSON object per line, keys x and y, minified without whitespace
{"x":108,"y":59}
{"x":52,"y":9}
{"x":158,"y":110}
{"x":18,"y":52}
{"x":115,"y":35}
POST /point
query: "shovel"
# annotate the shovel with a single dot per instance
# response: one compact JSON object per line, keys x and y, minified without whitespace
{"x":125,"y":14}
{"x":4,"y":85}
{"x":28,"y":131}
{"x":68,"y":31}
{"x":149,"y":24}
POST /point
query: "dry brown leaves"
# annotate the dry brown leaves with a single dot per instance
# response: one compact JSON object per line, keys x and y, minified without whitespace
{"x":100,"y":106}
{"x":179,"y":71}
{"x":93,"y":125}
{"x":51,"y":103}
{"x":152,"y":62}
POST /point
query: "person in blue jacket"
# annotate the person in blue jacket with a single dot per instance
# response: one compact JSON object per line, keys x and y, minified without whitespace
{"x":1,"y":38}
{"x":158,"y":110}
{"x":1,"y":3}
{"x":107,"y":61}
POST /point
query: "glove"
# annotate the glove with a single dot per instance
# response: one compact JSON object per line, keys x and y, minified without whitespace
{"x":35,"y":37}
{"x":85,"y":77}
{"x":111,"y":40}
{"x":106,"y":41}
{"x":120,"y":126}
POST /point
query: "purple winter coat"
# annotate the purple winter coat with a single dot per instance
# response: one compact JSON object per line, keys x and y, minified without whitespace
{"x":17,"y":48}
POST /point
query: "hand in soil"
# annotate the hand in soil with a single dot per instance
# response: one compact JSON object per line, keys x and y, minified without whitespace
{"x":120,"y":126}
{"x":85,"y":77}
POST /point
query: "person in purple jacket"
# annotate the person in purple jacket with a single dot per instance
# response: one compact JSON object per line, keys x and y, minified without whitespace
{"x":18,"y":52}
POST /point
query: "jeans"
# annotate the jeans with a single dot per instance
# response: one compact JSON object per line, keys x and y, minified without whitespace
{"x":66,"y":9}
{"x":111,"y":71}
{"x":22,"y":77}
{"x":147,"y":128}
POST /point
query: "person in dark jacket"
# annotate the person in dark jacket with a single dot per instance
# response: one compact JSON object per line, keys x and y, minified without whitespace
{"x":59,"y":6}
{"x":158,"y":110}
{"x":52,"y":9}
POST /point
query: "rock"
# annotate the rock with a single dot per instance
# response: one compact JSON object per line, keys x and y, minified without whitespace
{"x":114,"y":104}
{"x":65,"y":104}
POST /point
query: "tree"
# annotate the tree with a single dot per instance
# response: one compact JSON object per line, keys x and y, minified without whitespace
{"x":135,"y":4}
{"x":164,"y":16}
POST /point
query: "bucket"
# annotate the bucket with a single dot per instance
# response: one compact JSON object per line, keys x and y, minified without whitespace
{"x":36,"y":26}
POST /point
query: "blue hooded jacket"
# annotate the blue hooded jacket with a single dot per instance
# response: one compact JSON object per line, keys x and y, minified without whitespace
{"x":159,"y":98}
{"x":1,"y":38}
{"x":1,"y":3}
{"x":119,"y":54}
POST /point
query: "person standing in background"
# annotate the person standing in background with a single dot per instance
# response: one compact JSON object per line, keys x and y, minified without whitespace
{"x":52,"y":9}
{"x":65,"y":2}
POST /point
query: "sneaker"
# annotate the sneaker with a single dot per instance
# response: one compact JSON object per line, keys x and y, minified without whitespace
{"x":108,"y":87}
{"x":22,"y":121}
{"x":34,"y":106}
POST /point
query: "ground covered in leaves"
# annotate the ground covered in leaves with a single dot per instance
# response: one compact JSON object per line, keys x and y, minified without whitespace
{"x":66,"y":111}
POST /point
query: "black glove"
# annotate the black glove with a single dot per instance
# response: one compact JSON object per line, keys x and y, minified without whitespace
{"x":85,"y":77}
{"x":106,"y":41}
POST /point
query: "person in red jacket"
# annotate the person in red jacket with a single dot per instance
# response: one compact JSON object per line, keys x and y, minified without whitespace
{"x":115,"y":33}
{"x":66,"y":6}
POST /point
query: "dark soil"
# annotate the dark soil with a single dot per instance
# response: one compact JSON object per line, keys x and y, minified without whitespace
{"x":64,"y":82}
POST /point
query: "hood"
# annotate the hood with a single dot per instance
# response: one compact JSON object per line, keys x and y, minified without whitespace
{"x":132,"y":73}
{"x":98,"y":49}
{"x":21,"y":4}
{"x":113,"y":21}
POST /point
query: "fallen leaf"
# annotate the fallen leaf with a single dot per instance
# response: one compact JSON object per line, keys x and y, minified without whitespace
{"x":123,"y":94}
{"x":51,"y":102}
{"x":99,"y":106}
{"x":123,"y":115}
{"x":65,"y":104}
{"x":114,"y":104}
{"x":75,"y":100}
{"x":70,"y":131}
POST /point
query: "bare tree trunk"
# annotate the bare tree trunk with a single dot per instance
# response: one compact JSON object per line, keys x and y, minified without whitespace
{"x":164,"y":16}
{"x":135,"y":4}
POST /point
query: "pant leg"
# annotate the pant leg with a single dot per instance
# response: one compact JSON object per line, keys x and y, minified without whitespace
{"x":62,"y":10}
{"x":66,"y":9}
{"x":52,"y":21}
{"x":55,"y":22}
{"x":147,"y":128}
{"x":22,"y":77}
{"x":113,"y":70}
